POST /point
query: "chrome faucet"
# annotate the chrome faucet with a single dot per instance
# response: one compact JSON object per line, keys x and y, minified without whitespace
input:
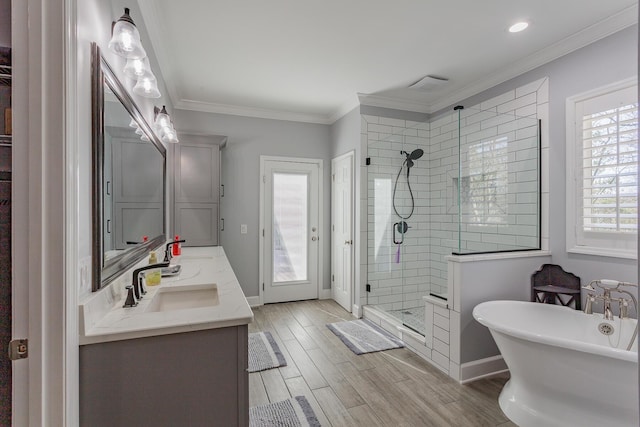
{"x":607,"y":287}
{"x":606,"y":298}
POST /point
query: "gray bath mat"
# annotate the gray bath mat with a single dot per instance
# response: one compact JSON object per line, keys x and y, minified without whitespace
{"x":363,"y":336}
{"x":264,"y":352}
{"x":294,"y":412}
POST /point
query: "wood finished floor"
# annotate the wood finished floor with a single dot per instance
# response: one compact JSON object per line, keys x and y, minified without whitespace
{"x":390,"y":388}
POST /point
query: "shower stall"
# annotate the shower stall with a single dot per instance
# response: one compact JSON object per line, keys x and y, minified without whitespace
{"x":465,"y":183}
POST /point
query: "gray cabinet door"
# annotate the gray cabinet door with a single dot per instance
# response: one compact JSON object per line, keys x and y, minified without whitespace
{"x":196,"y":191}
{"x":137,"y":191}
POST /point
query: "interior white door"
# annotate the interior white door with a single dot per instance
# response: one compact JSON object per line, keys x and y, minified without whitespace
{"x":291,"y":195}
{"x":342,"y":209}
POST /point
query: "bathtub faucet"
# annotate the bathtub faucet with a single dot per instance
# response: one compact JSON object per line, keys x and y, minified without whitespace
{"x":607,"y":287}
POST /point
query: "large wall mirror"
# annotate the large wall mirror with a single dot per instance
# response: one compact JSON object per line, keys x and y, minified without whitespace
{"x":129,"y":178}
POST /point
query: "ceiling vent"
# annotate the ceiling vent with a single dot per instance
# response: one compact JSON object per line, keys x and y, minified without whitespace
{"x":429,"y":82}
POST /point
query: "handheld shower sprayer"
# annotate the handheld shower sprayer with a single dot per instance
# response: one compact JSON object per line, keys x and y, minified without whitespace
{"x":409,"y":158}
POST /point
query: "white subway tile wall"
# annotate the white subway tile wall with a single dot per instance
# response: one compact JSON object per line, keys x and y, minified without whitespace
{"x":500,"y":205}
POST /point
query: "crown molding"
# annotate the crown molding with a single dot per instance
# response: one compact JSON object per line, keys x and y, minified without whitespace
{"x":260,"y":113}
{"x":344,"y":109}
{"x":591,"y":34}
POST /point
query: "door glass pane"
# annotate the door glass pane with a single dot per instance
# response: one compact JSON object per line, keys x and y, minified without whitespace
{"x":290,"y":213}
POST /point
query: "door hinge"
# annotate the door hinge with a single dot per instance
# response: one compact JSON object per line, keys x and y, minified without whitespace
{"x":263,"y":286}
{"x":368,"y":161}
{"x":264,"y":178}
{"x":333,"y":279}
{"x":263,"y":232}
{"x":19,"y":349}
{"x":368,"y":288}
{"x":333,"y":177}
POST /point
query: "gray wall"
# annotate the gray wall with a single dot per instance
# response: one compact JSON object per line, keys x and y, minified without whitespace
{"x":345,"y":134}
{"x":501,"y":279}
{"x":248,"y":139}
{"x":608,"y":60}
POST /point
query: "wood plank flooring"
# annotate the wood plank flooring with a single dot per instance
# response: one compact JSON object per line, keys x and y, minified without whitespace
{"x":391,"y":388}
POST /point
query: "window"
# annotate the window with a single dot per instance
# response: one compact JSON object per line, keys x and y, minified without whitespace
{"x":484,"y":191}
{"x":602,"y":167}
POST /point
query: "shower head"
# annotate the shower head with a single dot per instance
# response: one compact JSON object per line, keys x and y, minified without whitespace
{"x":414,"y":155}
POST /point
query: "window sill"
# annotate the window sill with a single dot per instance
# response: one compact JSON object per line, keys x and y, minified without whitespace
{"x":612,"y":253}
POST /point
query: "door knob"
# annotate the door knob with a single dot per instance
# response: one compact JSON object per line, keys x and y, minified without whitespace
{"x":348,"y":242}
{"x":314,"y":238}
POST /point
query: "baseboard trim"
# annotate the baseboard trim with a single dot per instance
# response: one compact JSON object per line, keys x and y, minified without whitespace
{"x":254,"y":301}
{"x":325,"y":293}
{"x":356,"y":311}
{"x":478,"y":369}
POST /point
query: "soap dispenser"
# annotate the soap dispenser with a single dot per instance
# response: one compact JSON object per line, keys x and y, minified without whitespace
{"x":152,"y":277}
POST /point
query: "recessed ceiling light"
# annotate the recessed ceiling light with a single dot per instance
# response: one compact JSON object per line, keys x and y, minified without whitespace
{"x":518,"y":26}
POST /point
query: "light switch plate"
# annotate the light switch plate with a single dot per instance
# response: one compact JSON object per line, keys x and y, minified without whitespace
{"x":243,"y":228}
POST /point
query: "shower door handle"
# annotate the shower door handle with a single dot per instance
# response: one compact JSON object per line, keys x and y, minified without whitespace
{"x":348,"y":242}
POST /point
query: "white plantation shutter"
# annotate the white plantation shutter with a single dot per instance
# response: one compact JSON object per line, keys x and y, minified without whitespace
{"x":606,"y":170}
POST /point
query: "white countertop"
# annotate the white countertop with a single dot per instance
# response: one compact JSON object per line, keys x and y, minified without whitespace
{"x":103,"y":319}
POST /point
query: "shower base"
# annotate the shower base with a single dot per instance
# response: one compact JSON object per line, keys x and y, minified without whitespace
{"x":411,"y":317}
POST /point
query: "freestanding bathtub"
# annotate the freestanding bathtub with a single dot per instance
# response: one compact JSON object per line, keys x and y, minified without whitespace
{"x":564,"y":371}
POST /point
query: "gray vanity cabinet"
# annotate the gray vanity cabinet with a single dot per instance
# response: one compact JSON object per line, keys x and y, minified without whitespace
{"x":187,"y":379}
{"x":197,"y":190}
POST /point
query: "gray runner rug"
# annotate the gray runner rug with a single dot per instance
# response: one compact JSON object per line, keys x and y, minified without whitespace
{"x":363,"y":336}
{"x":294,"y":412}
{"x":264,"y":352}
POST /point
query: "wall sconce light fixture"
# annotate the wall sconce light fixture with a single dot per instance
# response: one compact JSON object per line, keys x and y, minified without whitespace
{"x":164,"y":126}
{"x":125,"y":38}
{"x":147,"y":86}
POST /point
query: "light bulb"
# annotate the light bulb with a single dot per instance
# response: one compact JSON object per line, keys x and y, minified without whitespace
{"x":518,"y":26}
{"x":125,"y":38}
{"x":147,"y":86}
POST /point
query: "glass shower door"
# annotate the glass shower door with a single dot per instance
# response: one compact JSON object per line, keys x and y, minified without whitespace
{"x":398,"y":248}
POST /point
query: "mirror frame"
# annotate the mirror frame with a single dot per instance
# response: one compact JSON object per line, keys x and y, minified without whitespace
{"x":105,"y":271}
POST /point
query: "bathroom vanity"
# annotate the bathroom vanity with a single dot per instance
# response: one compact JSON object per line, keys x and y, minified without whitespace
{"x":178,"y":358}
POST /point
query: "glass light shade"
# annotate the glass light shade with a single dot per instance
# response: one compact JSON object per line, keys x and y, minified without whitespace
{"x":170,"y":136}
{"x":162,"y":119}
{"x":136,"y":68}
{"x":139,"y":131}
{"x":125,"y":38}
{"x":144,"y":137}
{"x":133,"y":124}
{"x":147,"y":86}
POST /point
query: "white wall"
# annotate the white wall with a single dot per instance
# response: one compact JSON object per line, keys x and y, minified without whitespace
{"x":248,"y":139}
{"x":608,"y":60}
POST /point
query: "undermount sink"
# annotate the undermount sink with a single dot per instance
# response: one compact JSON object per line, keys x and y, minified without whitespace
{"x":184,"y":297}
